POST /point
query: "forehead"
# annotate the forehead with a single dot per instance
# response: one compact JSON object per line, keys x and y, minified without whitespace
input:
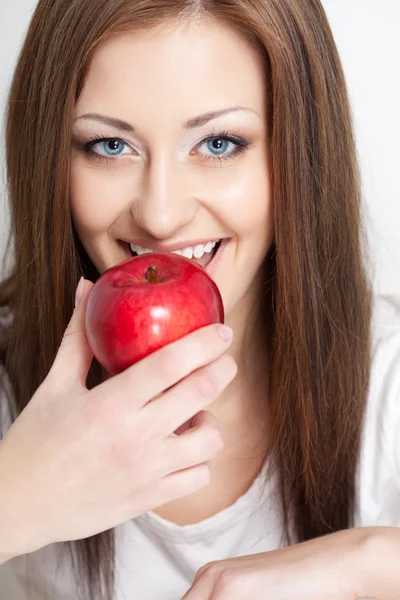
{"x":184,"y":70}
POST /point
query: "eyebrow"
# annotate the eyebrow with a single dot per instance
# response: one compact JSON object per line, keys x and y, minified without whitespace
{"x":191,"y":124}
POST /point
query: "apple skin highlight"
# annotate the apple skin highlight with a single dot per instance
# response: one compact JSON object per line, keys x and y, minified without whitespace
{"x":145,"y":303}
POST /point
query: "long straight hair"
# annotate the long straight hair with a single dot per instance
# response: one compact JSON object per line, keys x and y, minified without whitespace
{"x":319,"y":295}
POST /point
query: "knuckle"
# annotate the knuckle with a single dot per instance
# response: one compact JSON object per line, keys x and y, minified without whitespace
{"x":228,"y":366}
{"x":199,"y":345}
{"x":202,"y":476}
{"x":73,"y":338}
{"x":122,"y":453}
{"x":210,"y":334}
{"x":165,"y":362}
{"x":197,"y":478}
{"x":126,"y":455}
{"x":210,"y":380}
{"x":205,"y":384}
{"x":209,"y":570}
{"x":213,"y":439}
{"x":178,"y":358}
{"x":171,"y":363}
{"x":200,"y":446}
{"x":73,"y":330}
{"x":226,"y":582}
{"x":201,"y":339}
{"x":205,"y":343}
{"x":126,"y":447}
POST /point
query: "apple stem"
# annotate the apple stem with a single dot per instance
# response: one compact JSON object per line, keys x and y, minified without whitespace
{"x":151,"y":274}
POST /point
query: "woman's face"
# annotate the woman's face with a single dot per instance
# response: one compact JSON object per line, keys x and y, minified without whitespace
{"x":167,"y":174}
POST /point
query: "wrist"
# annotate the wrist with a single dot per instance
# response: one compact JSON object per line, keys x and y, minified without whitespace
{"x":376,"y":563}
{"x":10,"y":532}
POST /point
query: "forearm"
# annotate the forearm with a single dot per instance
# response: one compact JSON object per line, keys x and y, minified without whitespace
{"x":11,"y":531}
{"x":16,"y":537}
{"x":7,"y":528}
{"x":377,"y":563}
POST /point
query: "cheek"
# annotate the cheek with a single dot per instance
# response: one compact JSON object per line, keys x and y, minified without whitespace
{"x":245,"y":202}
{"x":98,"y":198}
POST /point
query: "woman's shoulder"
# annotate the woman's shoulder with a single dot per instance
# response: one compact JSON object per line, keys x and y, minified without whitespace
{"x":382,"y":419}
{"x":386,"y":314}
{"x":385,"y":365}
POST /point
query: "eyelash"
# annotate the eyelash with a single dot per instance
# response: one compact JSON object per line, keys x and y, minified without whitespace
{"x":240,"y":143}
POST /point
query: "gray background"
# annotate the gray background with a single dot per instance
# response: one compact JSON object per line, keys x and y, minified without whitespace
{"x":367,"y":36}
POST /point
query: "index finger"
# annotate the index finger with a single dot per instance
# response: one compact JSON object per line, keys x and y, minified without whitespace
{"x":162,"y":369}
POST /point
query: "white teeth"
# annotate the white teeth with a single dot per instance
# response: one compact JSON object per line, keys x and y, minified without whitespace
{"x":199,"y":251}
{"x":188,"y":252}
{"x":142,"y":250}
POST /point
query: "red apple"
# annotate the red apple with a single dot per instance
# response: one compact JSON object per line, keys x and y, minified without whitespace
{"x":146,"y":302}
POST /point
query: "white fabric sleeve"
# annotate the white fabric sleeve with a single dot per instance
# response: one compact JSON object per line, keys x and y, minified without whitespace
{"x":385,"y":380}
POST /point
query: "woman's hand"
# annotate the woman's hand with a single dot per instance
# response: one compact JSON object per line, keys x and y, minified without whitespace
{"x":78,"y":462}
{"x":326,"y":568}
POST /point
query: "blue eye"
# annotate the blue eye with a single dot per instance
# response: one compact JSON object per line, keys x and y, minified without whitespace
{"x":111,"y":147}
{"x":218,"y":145}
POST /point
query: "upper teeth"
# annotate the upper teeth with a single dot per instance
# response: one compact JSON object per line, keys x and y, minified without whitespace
{"x":189,"y":252}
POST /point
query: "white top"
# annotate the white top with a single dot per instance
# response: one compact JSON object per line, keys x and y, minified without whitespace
{"x":157,"y":560}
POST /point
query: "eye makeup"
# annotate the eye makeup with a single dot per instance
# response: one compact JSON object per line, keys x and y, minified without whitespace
{"x":238,"y":143}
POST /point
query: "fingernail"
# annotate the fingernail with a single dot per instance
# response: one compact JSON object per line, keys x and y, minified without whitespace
{"x":79,"y":292}
{"x":225,"y":332}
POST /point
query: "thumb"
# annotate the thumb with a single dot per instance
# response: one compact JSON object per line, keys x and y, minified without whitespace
{"x":74,"y":355}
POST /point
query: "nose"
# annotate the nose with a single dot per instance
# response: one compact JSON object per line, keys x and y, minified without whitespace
{"x":165,"y":205}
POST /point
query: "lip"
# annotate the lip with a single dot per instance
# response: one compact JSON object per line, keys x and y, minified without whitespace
{"x":172,"y":247}
{"x":213,"y":264}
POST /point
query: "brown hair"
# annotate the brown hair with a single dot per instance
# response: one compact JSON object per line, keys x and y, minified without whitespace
{"x":320,"y":297}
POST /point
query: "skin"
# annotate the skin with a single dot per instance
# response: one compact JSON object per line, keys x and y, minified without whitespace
{"x":165,"y":192}
{"x":166,"y":184}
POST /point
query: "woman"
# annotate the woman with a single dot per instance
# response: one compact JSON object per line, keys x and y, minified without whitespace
{"x":168,"y":125}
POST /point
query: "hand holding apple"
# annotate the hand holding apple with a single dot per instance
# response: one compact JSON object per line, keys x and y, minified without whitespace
{"x":108,"y":454}
{"x":145,"y":303}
